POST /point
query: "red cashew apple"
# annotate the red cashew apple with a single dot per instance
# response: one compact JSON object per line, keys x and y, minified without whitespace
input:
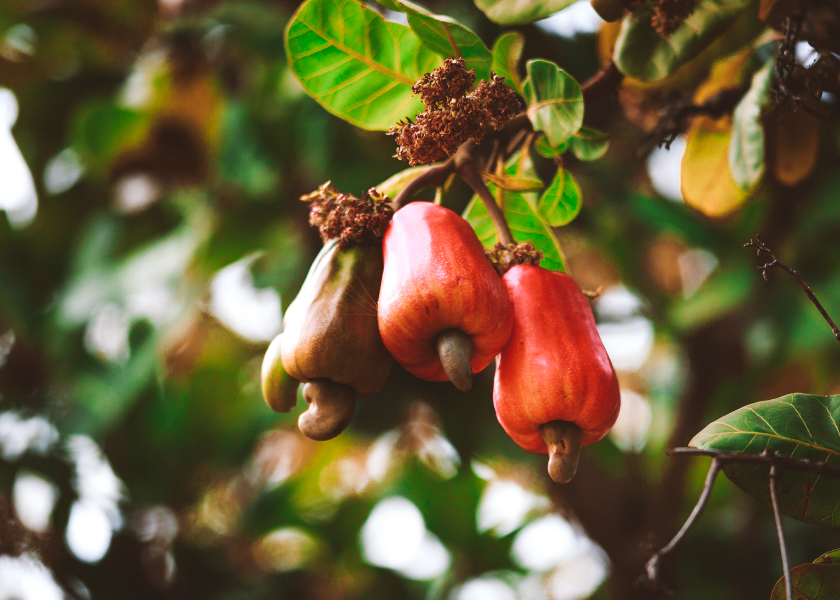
{"x":443,"y":311}
{"x":555,"y":388}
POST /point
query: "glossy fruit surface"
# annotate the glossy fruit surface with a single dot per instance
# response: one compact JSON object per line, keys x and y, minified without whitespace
{"x":437,"y":278}
{"x":554,"y":367}
{"x":330,"y":330}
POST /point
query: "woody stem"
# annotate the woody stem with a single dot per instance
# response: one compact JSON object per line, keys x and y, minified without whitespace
{"x":466,"y":169}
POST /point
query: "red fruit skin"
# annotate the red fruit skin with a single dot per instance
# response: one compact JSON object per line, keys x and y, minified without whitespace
{"x":554,"y":367}
{"x":436,"y":277}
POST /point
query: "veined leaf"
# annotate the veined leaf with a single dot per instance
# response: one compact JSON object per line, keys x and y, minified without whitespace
{"x":588,"y":144}
{"x":518,"y":12}
{"x":561,"y":201}
{"x":514,"y":184}
{"x":797,"y":426}
{"x":507,"y":52}
{"x":521,"y":211}
{"x":445,"y":36}
{"x":355,"y":64}
{"x":746,"y":148}
{"x":643,"y":54}
{"x":810,"y":582}
{"x":555,"y":101}
{"x":547,"y":150}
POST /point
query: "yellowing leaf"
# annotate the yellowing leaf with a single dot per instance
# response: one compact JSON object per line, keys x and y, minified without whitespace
{"x":514,"y":184}
{"x":707,"y":184}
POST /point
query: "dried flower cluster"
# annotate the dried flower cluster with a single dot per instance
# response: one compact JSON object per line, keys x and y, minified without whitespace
{"x":352,"y":220}
{"x":503,"y":258}
{"x":452,"y":115}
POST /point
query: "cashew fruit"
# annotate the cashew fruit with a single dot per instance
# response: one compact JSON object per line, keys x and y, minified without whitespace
{"x":331,"y":339}
{"x":554,"y":375}
{"x":440,"y":297}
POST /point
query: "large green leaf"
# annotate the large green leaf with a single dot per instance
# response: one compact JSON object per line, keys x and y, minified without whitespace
{"x":561,"y":201}
{"x":642,"y":53}
{"x":445,"y":36}
{"x":811,"y":582}
{"x":588,"y":144}
{"x":555,"y":101}
{"x":522,"y":214}
{"x":355,"y":64}
{"x":507,"y":52}
{"x":798,"y":426}
{"x":746,"y":147}
{"x":518,"y":12}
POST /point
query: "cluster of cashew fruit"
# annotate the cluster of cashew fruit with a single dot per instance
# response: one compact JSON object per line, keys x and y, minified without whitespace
{"x":429,"y":298}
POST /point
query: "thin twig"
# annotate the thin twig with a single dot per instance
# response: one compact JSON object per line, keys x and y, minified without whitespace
{"x":605,"y":81}
{"x":676,"y":116}
{"x":434,"y":176}
{"x":775,"y":262}
{"x":767,"y":457}
{"x":650,"y":578}
{"x":774,"y":500}
{"x":466,"y":169}
{"x":777,"y":463}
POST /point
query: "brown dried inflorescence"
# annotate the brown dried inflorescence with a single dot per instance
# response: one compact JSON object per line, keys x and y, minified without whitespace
{"x":503,"y":258}
{"x":352,"y":220}
{"x":452,"y":115}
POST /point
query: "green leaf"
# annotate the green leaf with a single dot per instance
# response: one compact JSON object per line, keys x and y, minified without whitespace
{"x":507,"y":52}
{"x":355,"y":64}
{"x":797,"y":426}
{"x":555,"y":101}
{"x":560,"y":203}
{"x":104,"y":400}
{"x":746,"y":147}
{"x":521,"y":211}
{"x":103,"y":130}
{"x":588,"y":144}
{"x":828,"y":558}
{"x":445,"y":36}
{"x":547,"y":150}
{"x":810,"y":582}
{"x":725,"y":290}
{"x":519,"y":12}
{"x":643,"y":54}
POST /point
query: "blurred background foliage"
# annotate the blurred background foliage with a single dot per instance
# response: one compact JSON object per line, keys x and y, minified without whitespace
{"x":152,"y":158}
